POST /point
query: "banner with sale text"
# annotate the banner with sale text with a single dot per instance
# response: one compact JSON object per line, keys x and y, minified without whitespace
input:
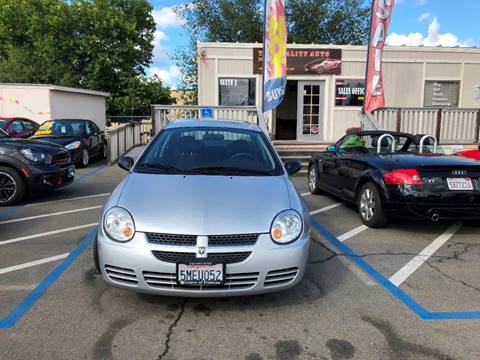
{"x":275,"y":54}
{"x":381,"y":15}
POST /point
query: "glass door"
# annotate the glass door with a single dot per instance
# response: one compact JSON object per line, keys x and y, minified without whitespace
{"x":311,"y":99}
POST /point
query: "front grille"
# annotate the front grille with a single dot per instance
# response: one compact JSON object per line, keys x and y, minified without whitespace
{"x":220,"y":258}
{"x":213,"y":240}
{"x":61,"y":159}
{"x":172,"y":239}
{"x":280,"y":277}
{"x":169,"y":281}
{"x":121,"y":275}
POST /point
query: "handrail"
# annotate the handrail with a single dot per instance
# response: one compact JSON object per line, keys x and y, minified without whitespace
{"x":379,"y":145}
{"x":422,"y":141}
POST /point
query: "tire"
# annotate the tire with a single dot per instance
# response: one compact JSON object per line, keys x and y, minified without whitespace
{"x":370,"y":207}
{"x":85,"y":158}
{"x":314,"y":180}
{"x":12,"y":186}
{"x":103,"y":153}
{"x":96,"y":260}
{"x":321,"y":70}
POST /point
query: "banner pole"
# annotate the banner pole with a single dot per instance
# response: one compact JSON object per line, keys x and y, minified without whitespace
{"x":264,"y":52}
{"x":368,"y":53}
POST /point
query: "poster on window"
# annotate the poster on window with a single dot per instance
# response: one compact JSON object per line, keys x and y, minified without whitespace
{"x":349,"y":92}
{"x":442,"y":93}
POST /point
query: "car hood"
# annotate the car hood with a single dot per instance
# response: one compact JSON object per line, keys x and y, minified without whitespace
{"x":61,"y":140}
{"x":32,"y":144}
{"x":204,"y":205}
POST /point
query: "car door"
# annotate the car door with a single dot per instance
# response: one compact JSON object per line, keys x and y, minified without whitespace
{"x":16,"y":129}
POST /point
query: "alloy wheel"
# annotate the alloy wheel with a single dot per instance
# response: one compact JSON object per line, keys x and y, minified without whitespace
{"x":8,"y":187}
{"x":367,"y":204}
{"x":312,"y":178}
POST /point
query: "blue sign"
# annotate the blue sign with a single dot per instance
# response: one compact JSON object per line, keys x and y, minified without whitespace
{"x":206,"y":113}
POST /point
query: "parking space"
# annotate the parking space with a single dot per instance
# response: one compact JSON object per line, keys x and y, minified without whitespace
{"x":339,"y":311}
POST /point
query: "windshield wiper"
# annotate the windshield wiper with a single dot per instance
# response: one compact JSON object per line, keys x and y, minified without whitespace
{"x":225,"y":170}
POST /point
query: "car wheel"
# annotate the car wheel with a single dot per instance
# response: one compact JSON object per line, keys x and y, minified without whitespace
{"x":370,"y":207}
{"x":320,"y":70}
{"x":85,"y":159}
{"x":96,"y":261}
{"x":314,"y":180}
{"x":103,"y":154}
{"x":12,"y":186}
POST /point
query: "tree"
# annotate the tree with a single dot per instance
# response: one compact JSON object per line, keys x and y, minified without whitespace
{"x":309,"y":21}
{"x":336,"y":22}
{"x":93,"y":44}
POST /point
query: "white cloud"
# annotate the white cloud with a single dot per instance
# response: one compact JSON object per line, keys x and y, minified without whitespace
{"x":169,"y":76}
{"x":167,"y":18}
{"x":423,"y":17}
{"x":434,"y":38}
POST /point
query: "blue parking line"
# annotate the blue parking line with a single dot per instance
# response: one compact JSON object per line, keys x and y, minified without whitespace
{"x":24,"y":307}
{"x":415,"y":307}
{"x":10,"y":211}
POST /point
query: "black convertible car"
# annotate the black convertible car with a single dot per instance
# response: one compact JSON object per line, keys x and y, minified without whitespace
{"x":389,"y":174}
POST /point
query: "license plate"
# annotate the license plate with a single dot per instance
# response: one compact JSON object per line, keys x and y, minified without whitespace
{"x":200,"y":274}
{"x":460,"y":184}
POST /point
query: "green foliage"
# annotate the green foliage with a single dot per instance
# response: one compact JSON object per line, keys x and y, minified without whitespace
{"x":92,"y":44}
{"x":309,"y":21}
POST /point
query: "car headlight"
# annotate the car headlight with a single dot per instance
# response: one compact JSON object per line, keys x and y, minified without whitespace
{"x":34,"y":156}
{"x":119,"y":225}
{"x":286,"y":227}
{"x":74,"y":145}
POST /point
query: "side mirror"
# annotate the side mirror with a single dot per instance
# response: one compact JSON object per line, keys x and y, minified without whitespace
{"x":293,"y":166}
{"x":331,"y":149}
{"x":126,"y":163}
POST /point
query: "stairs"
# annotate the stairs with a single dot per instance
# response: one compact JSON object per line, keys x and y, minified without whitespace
{"x":298,"y":150}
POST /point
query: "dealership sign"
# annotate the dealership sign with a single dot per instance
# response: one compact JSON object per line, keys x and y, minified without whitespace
{"x":275,"y":50}
{"x":305,"y":61}
{"x":381,"y":15}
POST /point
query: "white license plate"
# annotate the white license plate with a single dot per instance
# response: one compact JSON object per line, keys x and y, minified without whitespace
{"x":460,"y":184}
{"x":200,"y":274}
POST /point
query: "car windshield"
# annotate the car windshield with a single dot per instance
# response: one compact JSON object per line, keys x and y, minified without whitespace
{"x":368,"y":144}
{"x":62,"y":128}
{"x":210,"y":151}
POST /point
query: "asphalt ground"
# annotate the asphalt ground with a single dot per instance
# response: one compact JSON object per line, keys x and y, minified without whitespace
{"x":367,"y":294}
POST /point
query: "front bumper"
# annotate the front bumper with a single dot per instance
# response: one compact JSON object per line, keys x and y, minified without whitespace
{"x":48,"y":177}
{"x":269,"y":268}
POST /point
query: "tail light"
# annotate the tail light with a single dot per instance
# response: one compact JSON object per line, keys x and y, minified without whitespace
{"x":403,"y":177}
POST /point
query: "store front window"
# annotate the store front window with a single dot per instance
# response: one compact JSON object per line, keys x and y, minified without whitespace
{"x":442,"y":93}
{"x":236,"y":92}
{"x":349,"y":92}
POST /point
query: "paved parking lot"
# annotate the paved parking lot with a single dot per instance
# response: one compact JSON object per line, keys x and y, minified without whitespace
{"x":411,"y":291}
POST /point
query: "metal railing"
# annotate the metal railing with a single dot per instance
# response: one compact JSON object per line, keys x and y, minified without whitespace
{"x":450,"y":126}
{"x":163,"y":114}
{"x":122,"y":138}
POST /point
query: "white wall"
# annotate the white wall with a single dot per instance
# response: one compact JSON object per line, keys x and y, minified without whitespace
{"x":25,"y":102}
{"x":66,"y":105}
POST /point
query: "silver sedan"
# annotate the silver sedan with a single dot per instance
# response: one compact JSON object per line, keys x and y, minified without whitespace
{"x":207,"y":210}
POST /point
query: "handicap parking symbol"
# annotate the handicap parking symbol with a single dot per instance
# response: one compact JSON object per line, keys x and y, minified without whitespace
{"x":206,"y":113}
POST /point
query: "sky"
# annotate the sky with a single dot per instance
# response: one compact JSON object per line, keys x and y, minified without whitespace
{"x":414,"y":23}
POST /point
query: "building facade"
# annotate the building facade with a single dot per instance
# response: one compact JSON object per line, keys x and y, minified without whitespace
{"x":44,"y":102}
{"x":325,"y":88}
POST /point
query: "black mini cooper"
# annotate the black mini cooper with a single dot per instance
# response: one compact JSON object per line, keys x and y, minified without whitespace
{"x":31,"y":167}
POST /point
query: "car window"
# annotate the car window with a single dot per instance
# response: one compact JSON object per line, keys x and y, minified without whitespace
{"x":62,"y":128}
{"x":3,"y":123}
{"x":94,"y":127}
{"x":91,"y":128}
{"x":210,"y":151}
{"x":16,"y":126}
{"x":28,"y":125}
{"x":351,"y":144}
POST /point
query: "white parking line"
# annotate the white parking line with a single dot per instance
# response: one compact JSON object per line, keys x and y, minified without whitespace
{"x":32,"y":264}
{"x":324,"y":209}
{"x":49,"y":215}
{"x":23,"y":238}
{"x":352,"y":233}
{"x":413,"y":265}
{"x":70,"y":199}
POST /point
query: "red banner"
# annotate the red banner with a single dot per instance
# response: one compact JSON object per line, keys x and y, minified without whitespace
{"x":381,"y":15}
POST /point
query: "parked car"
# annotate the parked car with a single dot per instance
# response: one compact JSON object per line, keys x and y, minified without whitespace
{"x":207,"y":210}
{"x":323,"y":66}
{"x":31,"y":167}
{"x":471,"y":154}
{"x":18,"y":127}
{"x":82,"y":138}
{"x":390,"y":174}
